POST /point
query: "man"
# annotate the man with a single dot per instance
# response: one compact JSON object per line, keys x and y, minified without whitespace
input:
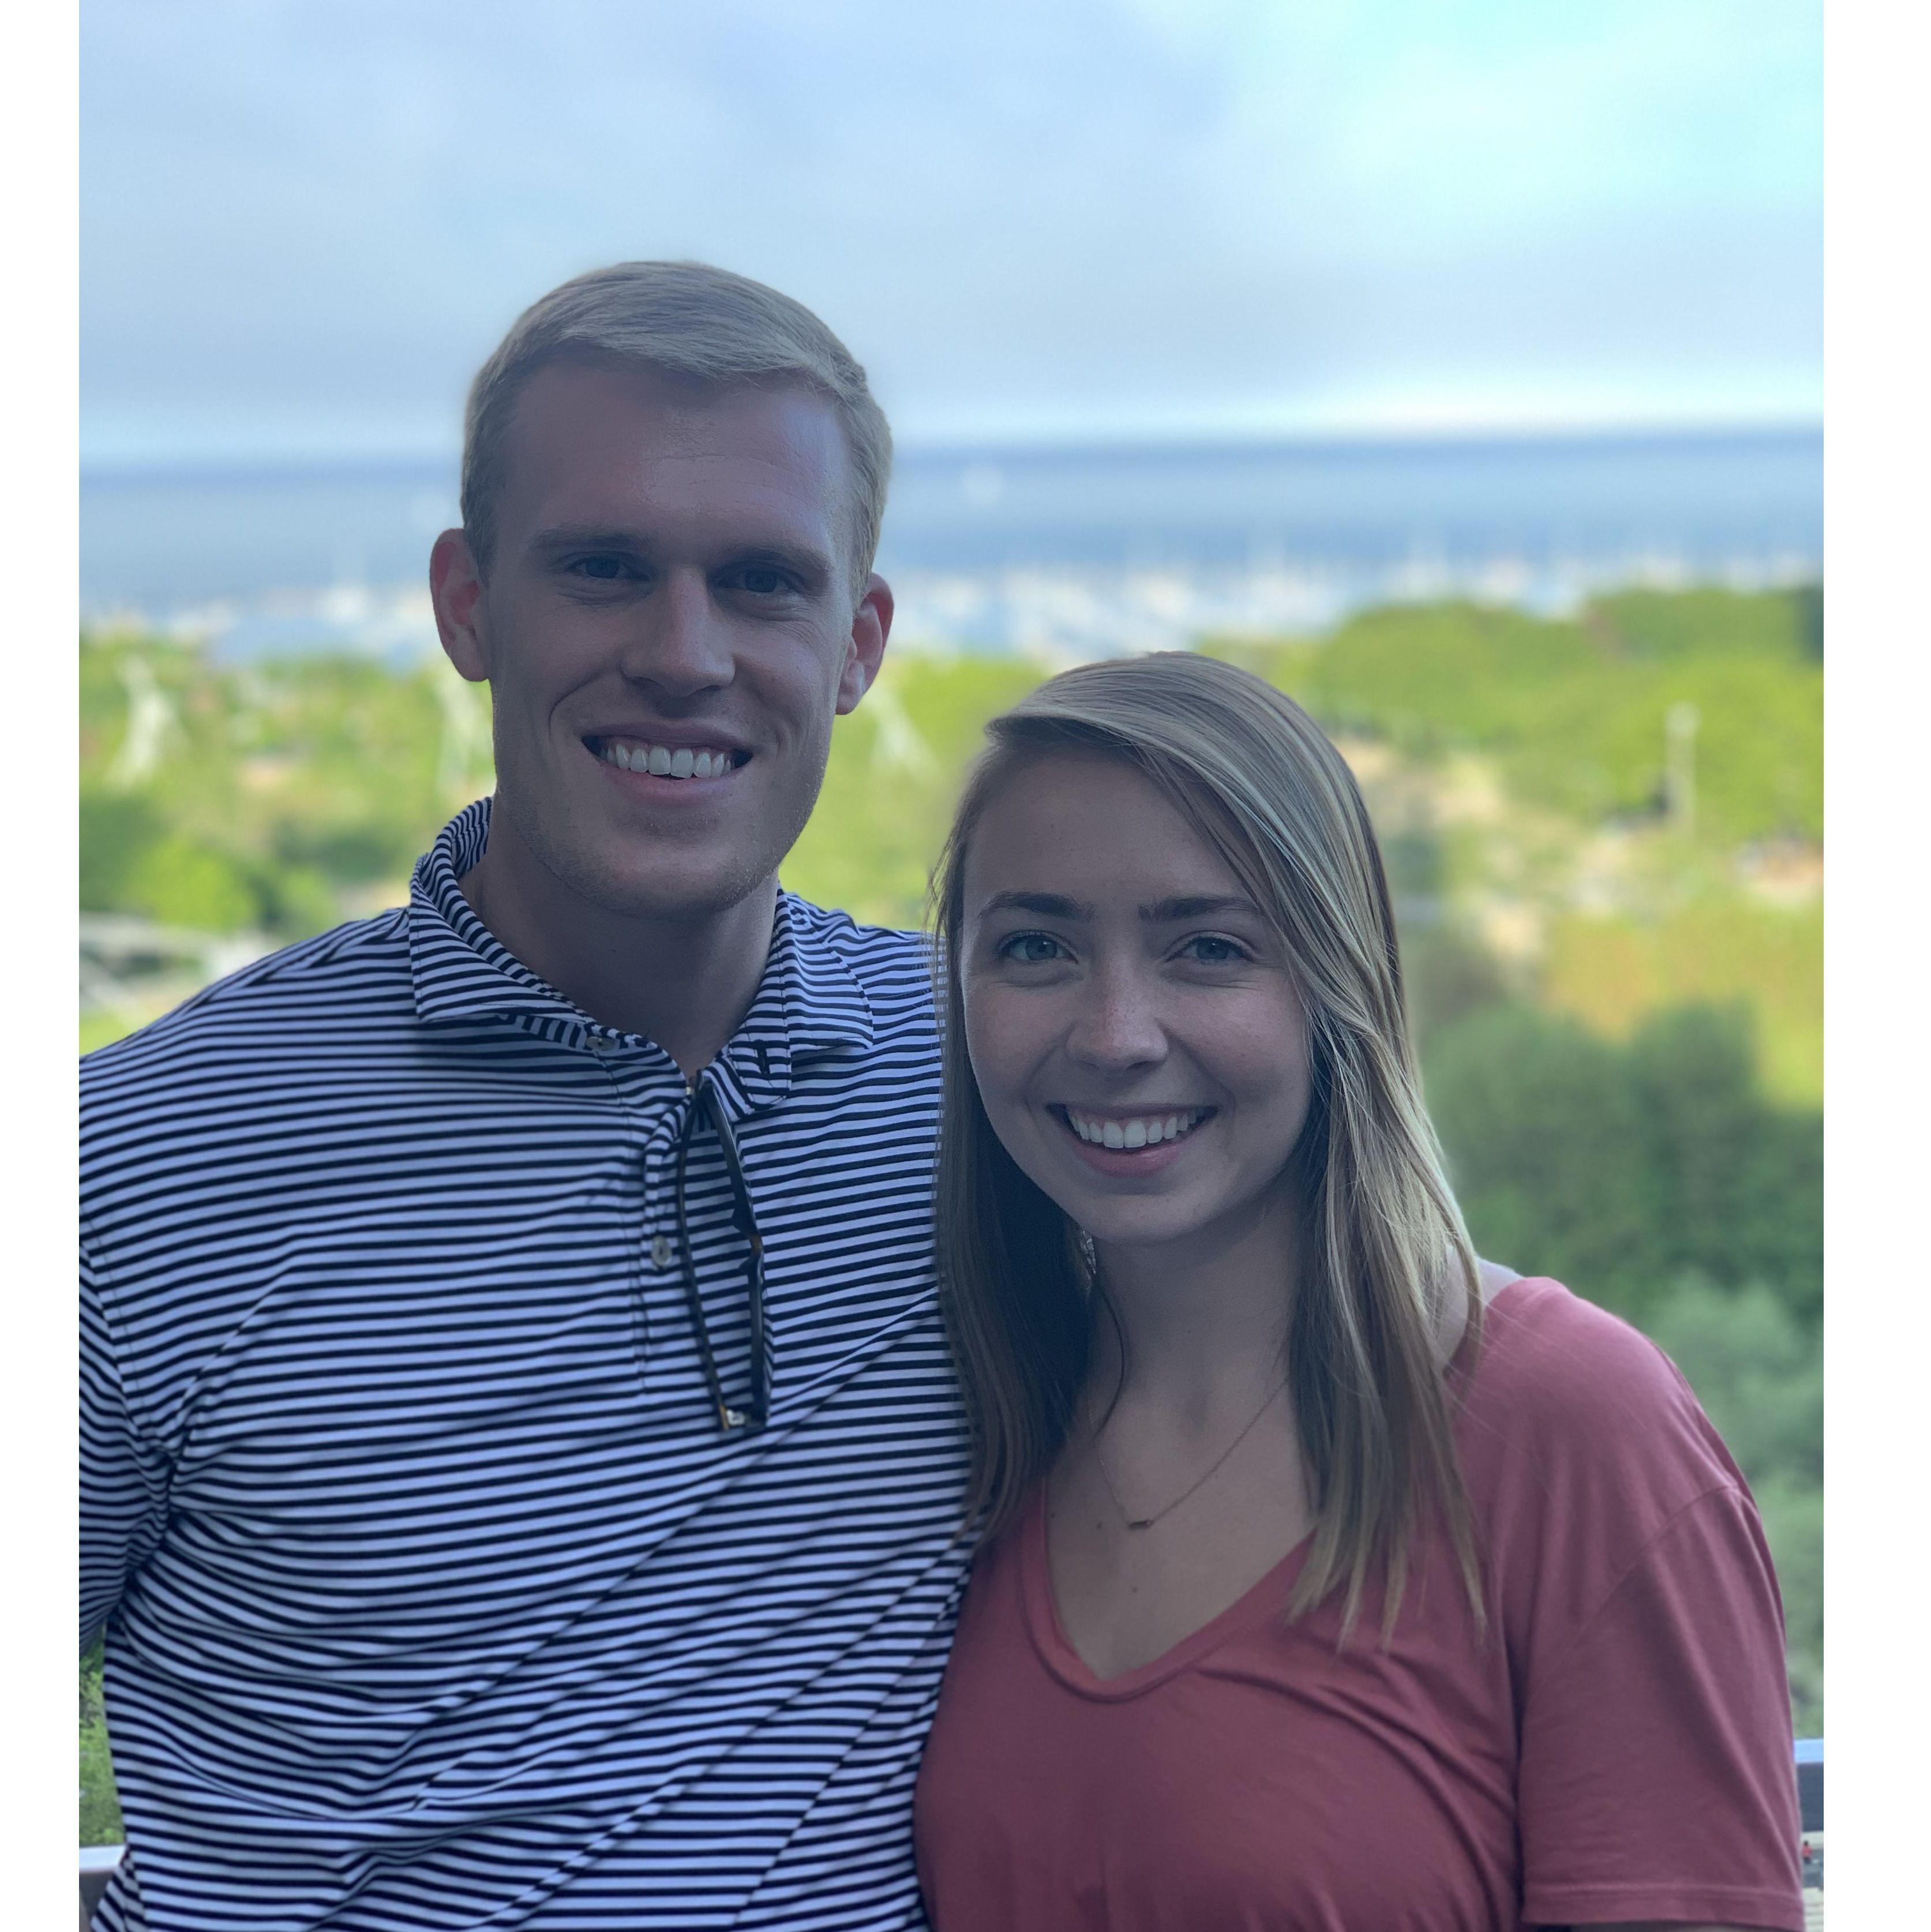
{"x":521,"y":1472}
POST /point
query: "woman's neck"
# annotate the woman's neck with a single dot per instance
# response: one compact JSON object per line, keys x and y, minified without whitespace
{"x":1203,"y":1321}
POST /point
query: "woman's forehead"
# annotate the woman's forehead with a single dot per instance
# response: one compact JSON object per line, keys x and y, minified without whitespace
{"x":1082,"y":826}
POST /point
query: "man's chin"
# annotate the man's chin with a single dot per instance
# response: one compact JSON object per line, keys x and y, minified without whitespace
{"x":664,"y":881}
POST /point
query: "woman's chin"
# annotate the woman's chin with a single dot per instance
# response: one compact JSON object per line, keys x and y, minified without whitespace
{"x":1123,"y":1227}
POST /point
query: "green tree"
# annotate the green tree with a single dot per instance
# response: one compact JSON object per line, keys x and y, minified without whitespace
{"x":1548,"y":1146}
{"x":182,"y":880}
{"x":119,"y":830}
{"x":1738,"y":1184}
{"x":1619,"y":1167}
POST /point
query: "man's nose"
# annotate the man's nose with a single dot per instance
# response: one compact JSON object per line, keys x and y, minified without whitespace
{"x":1117,"y":1024}
{"x":680,"y":645}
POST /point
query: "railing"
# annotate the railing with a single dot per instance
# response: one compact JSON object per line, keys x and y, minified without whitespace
{"x":97,"y":1868}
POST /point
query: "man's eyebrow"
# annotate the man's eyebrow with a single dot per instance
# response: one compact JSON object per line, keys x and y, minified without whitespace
{"x":1043,"y":905}
{"x":1167,"y":912}
{"x":586,"y":536}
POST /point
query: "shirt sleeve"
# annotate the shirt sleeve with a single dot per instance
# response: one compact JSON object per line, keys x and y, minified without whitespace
{"x":1657,"y":1780}
{"x":123,"y":1476}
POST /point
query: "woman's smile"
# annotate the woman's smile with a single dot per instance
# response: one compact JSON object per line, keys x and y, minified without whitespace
{"x":1142,"y":1140}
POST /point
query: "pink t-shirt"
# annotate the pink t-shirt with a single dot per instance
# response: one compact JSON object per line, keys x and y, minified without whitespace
{"x":1618,"y":1748}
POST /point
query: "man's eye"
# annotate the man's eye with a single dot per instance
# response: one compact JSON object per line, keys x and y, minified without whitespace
{"x":762,"y":580}
{"x":601,"y":569}
{"x":1031,"y":948}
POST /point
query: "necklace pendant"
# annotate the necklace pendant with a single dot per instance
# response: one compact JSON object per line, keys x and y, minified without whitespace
{"x":1140,"y":1522}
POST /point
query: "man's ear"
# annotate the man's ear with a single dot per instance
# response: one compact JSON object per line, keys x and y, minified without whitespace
{"x":871,"y":626}
{"x":455,"y":588}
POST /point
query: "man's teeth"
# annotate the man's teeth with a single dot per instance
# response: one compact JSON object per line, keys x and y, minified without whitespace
{"x":1140,"y":1130}
{"x":660,"y":762}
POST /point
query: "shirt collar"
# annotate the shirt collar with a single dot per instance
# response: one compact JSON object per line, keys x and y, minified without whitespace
{"x":808,"y":1002}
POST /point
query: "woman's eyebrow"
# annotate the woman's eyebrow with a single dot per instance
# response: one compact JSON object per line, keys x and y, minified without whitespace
{"x":1042,"y":905}
{"x":1166,"y":912}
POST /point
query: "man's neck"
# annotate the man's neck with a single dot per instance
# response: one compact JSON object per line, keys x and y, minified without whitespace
{"x":686,"y":984}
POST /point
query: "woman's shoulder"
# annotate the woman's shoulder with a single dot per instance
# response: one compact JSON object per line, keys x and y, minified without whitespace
{"x":1564,"y":1410}
{"x":1545,"y":1354}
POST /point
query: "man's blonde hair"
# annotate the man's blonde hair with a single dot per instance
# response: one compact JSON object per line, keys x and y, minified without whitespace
{"x":685,"y":319}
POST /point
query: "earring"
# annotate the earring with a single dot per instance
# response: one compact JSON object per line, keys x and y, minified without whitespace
{"x":1089,"y":1255}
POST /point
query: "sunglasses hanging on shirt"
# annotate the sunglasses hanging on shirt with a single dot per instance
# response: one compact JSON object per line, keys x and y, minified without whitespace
{"x":705,"y":1105}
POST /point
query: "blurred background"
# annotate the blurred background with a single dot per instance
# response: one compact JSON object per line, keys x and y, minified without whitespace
{"x":1457,"y":366}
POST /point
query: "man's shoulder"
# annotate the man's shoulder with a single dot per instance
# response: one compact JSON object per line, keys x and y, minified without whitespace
{"x":893,"y":967}
{"x":264,"y":1007}
{"x":886,"y":948}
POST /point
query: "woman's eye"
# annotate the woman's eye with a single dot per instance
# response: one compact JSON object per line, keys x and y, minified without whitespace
{"x":1210,"y":950}
{"x":1031,"y":948}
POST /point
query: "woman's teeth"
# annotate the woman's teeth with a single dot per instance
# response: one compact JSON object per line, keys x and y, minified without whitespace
{"x":660,"y":762}
{"x":1139,"y":1130}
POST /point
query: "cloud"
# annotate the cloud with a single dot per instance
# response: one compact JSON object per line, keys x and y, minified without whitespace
{"x":304,"y":223}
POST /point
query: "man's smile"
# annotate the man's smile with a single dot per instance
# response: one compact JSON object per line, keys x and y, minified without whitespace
{"x":656,"y":757}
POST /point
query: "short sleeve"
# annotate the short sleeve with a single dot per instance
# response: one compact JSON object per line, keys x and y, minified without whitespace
{"x":1657,"y":1780}
{"x":123,"y":1476}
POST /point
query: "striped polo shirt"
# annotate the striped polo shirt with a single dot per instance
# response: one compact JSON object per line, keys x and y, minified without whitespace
{"x":434,"y":1594}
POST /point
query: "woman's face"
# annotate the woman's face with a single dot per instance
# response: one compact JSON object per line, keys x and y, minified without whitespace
{"x":1139,"y":1046}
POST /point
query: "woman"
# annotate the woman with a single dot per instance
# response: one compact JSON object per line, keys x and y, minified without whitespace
{"x":1331,"y":1579}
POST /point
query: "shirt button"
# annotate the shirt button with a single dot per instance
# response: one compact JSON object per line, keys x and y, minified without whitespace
{"x":660,"y":1253}
{"x":598,"y":1044}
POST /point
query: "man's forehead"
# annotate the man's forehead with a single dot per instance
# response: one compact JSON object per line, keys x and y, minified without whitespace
{"x":581,"y":427}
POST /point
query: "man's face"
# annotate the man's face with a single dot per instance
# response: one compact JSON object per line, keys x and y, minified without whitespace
{"x":668,"y":628}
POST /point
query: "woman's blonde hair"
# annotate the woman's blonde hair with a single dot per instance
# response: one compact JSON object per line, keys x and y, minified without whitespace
{"x":1385,"y":1266}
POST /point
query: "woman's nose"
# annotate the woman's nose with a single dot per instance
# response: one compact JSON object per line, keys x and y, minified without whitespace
{"x":1118,"y":1023}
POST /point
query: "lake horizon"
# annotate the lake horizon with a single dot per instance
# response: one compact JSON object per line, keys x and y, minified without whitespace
{"x":1071,"y":548}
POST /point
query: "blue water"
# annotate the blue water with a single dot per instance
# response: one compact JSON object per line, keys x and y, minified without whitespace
{"x":994,"y":548}
{"x":1704,"y":498}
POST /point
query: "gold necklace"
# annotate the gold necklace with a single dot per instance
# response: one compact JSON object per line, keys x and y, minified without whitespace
{"x":1198,"y":1482}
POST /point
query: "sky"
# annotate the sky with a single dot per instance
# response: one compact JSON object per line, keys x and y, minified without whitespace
{"x":303,"y":226}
